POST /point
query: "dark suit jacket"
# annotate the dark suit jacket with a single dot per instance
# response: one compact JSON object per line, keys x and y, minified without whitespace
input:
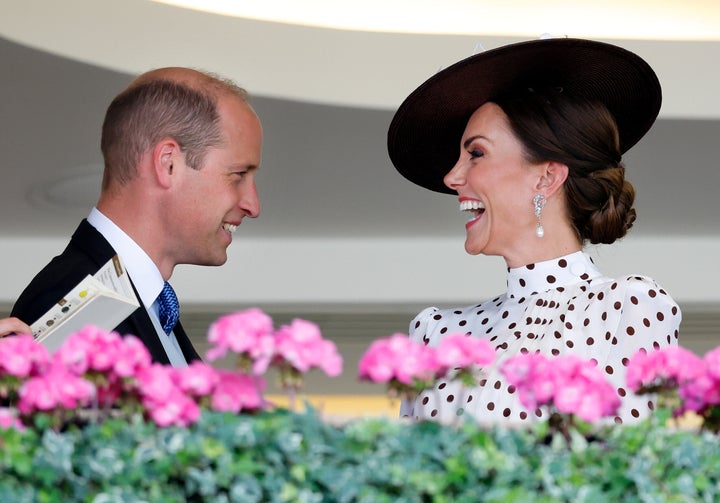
{"x":87,"y":251}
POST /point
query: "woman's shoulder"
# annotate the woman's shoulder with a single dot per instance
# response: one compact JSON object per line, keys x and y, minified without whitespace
{"x":433,"y":319}
{"x":636,"y":289}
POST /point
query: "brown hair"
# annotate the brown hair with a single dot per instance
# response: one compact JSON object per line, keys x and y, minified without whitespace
{"x":553,"y":126}
{"x":150,"y":110}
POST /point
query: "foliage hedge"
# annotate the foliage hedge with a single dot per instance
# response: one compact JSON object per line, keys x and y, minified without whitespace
{"x":281,"y":456}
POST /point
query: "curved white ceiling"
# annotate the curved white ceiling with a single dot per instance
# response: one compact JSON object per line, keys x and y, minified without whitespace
{"x":363,"y":68}
{"x":624,"y":19}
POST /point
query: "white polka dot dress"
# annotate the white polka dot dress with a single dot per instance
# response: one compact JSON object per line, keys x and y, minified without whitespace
{"x":558,"y":307}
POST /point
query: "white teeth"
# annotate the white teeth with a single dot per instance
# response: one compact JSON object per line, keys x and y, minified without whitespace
{"x":230,"y":227}
{"x":471,"y":205}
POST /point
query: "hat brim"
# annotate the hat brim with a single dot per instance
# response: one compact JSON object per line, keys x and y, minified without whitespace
{"x":424,"y":135}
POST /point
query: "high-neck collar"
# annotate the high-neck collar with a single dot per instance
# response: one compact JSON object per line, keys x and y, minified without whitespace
{"x":543,"y":276}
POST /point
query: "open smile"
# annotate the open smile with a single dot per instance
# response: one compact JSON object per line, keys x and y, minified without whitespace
{"x":474,"y":207}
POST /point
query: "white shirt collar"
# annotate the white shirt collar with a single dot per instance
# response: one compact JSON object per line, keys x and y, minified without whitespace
{"x":144,"y":273}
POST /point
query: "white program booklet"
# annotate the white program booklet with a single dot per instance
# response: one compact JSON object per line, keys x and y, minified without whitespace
{"x":103,"y":299}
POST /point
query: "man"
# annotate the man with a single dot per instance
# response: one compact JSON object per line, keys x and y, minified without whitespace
{"x":181,"y":149}
{"x":11,"y":326}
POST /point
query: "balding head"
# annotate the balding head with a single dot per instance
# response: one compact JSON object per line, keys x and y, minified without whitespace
{"x":173,"y":102}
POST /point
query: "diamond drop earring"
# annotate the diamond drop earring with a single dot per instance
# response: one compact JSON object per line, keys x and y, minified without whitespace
{"x":539,"y":203}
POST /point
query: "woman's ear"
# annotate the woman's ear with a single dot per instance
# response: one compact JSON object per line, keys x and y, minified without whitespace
{"x":164,"y":154}
{"x":551,"y":178}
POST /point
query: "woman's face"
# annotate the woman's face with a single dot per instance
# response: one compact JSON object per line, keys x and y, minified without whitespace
{"x":496,"y":186}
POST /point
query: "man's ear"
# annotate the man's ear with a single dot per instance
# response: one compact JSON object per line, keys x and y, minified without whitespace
{"x":551,"y":178}
{"x":165,"y":154}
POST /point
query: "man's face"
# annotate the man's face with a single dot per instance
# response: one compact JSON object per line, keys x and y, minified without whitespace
{"x":212,"y":200}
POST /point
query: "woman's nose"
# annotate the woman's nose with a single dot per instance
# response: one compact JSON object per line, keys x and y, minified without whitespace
{"x":456,"y":176}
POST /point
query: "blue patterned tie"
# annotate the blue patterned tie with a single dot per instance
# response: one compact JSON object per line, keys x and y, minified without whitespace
{"x":168,"y":308}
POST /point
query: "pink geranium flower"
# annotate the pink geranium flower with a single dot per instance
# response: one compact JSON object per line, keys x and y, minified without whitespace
{"x":90,"y":349}
{"x":569,"y":383}
{"x":302,"y":347}
{"x":197,"y":379}
{"x":461,"y":351}
{"x":236,"y":392}
{"x":658,"y":369}
{"x":9,"y":419}
{"x":173,"y":408}
{"x":398,"y":358}
{"x":248,"y":334}
{"x":22,"y":357}
{"x":57,"y":388}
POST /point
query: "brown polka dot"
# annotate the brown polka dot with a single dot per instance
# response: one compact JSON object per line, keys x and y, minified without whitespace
{"x":522,"y":282}
{"x":635,"y":413}
{"x":613,"y":286}
{"x":617,"y":305}
{"x":652,"y":293}
{"x":437,"y":317}
{"x":586,"y":322}
{"x":425,"y":400}
{"x":450,"y":398}
{"x":511,"y":389}
{"x":600,"y":296}
{"x":417,"y":324}
{"x":491,"y":406}
{"x":469,"y":398}
{"x":584,"y":276}
{"x":634,"y":300}
{"x":651,"y":405}
{"x":660,"y":316}
{"x":604,"y":316}
{"x":625,"y":362}
{"x":557,"y":335}
{"x":538,"y":412}
{"x":568,"y":325}
{"x":462,"y":323}
{"x":590,"y":341}
{"x":630,"y":330}
{"x":674,"y":310}
{"x":555,"y":352}
{"x":530,"y":266}
{"x":482,"y":382}
{"x":523,"y":415}
{"x":442,"y":385}
{"x":497,"y":385}
{"x":618,"y":420}
{"x":569,"y":344}
{"x":434,"y":413}
{"x":551,"y":279}
{"x":443,"y":330}
{"x":609,"y":369}
{"x":507,"y":412}
{"x":512,"y":325}
{"x":562,"y":262}
{"x":646,"y":322}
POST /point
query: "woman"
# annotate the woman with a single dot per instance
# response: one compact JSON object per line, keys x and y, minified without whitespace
{"x":530,"y":137}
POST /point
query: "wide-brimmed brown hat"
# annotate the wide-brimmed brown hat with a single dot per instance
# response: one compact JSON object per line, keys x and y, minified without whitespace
{"x":424,"y":135}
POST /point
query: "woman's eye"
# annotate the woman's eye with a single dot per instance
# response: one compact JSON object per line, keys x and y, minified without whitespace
{"x":475,"y":153}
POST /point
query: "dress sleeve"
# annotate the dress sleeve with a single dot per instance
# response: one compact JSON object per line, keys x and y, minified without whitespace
{"x":647,"y":319}
{"x":417,"y":331}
